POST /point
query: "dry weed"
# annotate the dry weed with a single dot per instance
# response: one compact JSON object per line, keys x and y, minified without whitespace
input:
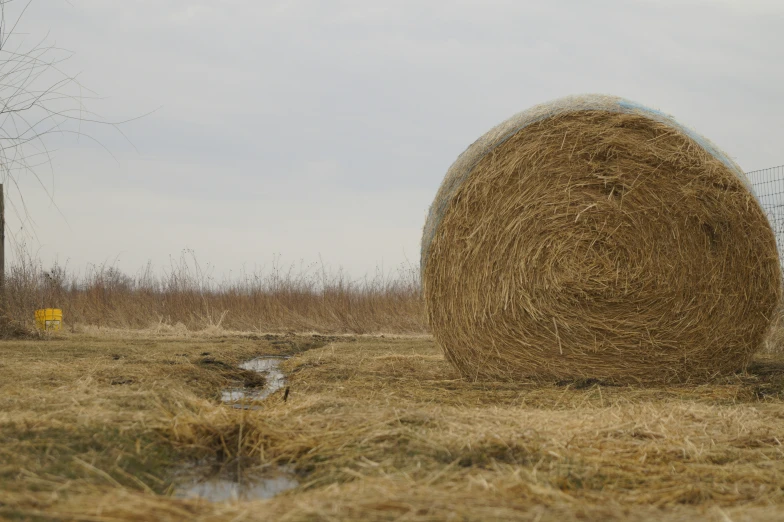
{"x":188,"y":298}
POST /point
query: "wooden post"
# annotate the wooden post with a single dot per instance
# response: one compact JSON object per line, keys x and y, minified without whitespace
{"x":2,"y":237}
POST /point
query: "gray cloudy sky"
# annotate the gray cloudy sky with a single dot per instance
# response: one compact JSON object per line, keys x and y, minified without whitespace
{"x":323,"y":128}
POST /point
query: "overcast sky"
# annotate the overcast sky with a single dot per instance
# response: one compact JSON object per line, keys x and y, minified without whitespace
{"x":319,"y":128}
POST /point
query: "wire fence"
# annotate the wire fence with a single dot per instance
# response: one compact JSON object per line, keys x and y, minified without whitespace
{"x":768,"y":185}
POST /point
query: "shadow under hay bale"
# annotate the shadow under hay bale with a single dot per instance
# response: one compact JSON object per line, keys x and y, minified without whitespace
{"x":594,"y":238}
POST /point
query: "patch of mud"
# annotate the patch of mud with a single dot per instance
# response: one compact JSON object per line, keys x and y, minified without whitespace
{"x":584,"y":383}
{"x":291,"y":344}
{"x":274,"y":380}
{"x":223,"y":487}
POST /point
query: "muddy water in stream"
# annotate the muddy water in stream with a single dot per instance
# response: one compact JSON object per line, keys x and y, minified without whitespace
{"x":223,"y":488}
{"x":275,"y":380}
{"x":197,"y":482}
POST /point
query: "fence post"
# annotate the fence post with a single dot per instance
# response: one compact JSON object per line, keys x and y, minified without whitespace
{"x":2,"y":238}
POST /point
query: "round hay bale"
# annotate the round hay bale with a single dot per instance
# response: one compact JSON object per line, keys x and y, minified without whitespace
{"x":592,"y":237}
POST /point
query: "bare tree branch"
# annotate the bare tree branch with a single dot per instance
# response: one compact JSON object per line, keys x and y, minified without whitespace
{"x":38,"y":99}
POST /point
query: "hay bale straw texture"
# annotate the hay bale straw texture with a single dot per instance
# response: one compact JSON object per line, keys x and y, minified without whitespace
{"x":592,"y":237}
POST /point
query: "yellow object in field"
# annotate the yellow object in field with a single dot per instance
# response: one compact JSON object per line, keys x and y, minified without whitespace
{"x":49,"y":319}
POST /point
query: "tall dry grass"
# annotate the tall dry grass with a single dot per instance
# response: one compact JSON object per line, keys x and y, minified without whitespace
{"x":284,"y":298}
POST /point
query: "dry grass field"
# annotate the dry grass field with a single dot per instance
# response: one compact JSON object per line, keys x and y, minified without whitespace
{"x":100,"y":425}
{"x":185,"y":295}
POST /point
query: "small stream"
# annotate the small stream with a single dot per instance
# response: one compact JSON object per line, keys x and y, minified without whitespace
{"x":274,"y":376}
{"x":223,"y":487}
{"x":196,"y":482}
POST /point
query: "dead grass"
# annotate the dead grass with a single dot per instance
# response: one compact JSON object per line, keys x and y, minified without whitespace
{"x":186,"y":296}
{"x":376,"y":429}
